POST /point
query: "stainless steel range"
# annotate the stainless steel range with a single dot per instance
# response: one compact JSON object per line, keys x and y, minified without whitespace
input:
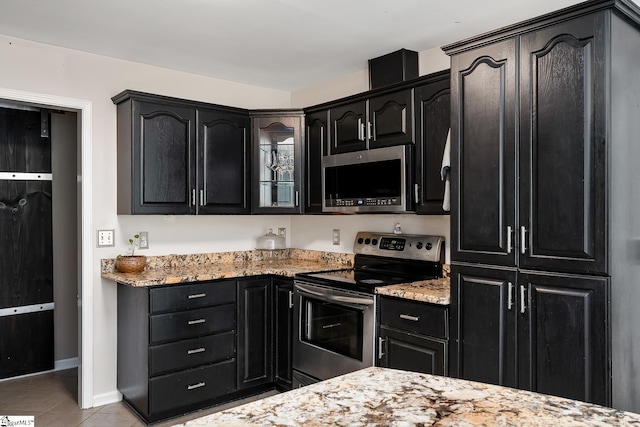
{"x":334,"y":311}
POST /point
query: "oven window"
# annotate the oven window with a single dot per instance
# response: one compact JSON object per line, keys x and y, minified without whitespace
{"x":333,"y":327}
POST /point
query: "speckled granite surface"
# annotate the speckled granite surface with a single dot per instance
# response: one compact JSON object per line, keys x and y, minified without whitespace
{"x":174,"y":269}
{"x":435,"y":291}
{"x":386,"y":397}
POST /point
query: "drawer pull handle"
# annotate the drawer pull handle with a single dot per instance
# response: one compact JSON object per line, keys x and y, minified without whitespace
{"x":194,"y":296}
{"x":196,"y":350}
{"x":194,"y":386}
{"x":409,"y":317}
{"x":195,"y":322}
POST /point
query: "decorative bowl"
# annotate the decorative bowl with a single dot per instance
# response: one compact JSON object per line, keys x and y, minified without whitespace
{"x":131,"y":264}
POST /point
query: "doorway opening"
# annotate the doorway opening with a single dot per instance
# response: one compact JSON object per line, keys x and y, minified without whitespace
{"x":78,"y":113}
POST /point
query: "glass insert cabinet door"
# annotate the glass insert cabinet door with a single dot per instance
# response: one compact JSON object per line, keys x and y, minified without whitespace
{"x":277,"y":158}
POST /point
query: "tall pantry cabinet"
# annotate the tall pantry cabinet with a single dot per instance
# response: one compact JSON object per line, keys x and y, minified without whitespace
{"x":544,"y":214}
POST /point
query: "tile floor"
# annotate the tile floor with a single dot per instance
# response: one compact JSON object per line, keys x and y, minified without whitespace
{"x":52,"y":398}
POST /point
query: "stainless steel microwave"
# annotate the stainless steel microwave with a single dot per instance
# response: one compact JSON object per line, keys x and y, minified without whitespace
{"x":369,"y":181}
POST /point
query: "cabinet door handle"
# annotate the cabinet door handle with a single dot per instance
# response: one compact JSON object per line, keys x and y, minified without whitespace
{"x":196,"y":350}
{"x":369,"y":130}
{"x":201,"y":197}
{"x":380,"y":344}
{"x":193,"y":197}
{"x":416,"y":191}
{"x":197,"y":321}
{"x":194,"y":296}
{"x":297,"y":198}
{"x":360,"y":130}
{"x":509,"y":245}
{"x":523,"y":240}
{"x":290,"y":299}
{"x":523,"y":304}
{"x":410,"y":317}
{"x":194,"y":386}
{"x":510,"y":296}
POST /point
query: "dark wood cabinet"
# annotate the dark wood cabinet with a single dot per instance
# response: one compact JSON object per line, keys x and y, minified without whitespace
{"x":283,"y":332}
{"x":176,"y":347}
{"x":223,"y":154}
{"x":379,"y":121}
{"x":348,"y":123}
{"x":316,"y":146}
{"x":536,"y":331}
{"x":180,"y":157}
{"x":559,"y":221}
{"x":432,"y":111}
{"x":413,"y":336}
{"x":544,"y":147}
{"x":255,"y":332}
{"x":277,"y":161}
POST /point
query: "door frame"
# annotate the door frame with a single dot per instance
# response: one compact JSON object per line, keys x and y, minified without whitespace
{"x":85,"y":290}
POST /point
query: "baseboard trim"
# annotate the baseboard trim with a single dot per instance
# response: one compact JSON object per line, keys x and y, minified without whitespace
{"x":107,"y":398}
{"x":61,"y":365}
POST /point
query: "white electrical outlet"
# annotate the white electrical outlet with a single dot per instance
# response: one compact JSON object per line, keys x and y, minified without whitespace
{"x":105,"y":238}
{"x":336,"y":236}
{"x":282,"y":232}
{"x":143,"y":241}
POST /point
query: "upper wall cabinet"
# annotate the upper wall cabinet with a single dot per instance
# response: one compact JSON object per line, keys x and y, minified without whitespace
{"x":375,"y":122}
{"x":432,"y":111}
{"x":181,"y":157}
{"x":316,"y":146}
{"x":277,"y":161}
{"x":532,"y":192}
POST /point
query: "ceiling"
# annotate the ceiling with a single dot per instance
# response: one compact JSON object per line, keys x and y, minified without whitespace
{"x":280,"y":44}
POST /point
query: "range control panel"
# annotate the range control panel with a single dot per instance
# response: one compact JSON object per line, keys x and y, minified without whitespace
{"x":405,"y":246}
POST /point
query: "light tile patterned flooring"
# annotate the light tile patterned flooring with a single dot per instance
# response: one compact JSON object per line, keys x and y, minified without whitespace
{"x":52,"y":398}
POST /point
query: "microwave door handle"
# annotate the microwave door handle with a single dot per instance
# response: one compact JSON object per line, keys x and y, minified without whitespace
{"x":353,"y":301}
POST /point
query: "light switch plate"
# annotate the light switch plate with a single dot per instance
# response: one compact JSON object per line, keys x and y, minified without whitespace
{"x":105,"y":238}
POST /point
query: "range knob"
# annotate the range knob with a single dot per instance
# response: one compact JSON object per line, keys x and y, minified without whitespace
{"x":374,"y":242}
{"x":419,"y":245}
{"x":428,"y":246}
{"x":360,"y":240}
{"x":367,"y":241}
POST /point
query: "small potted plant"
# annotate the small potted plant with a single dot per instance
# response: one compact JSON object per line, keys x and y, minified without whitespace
{"x":131,"y":263}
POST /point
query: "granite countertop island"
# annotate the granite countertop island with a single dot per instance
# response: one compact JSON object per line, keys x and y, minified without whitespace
{"x":387,"y":397}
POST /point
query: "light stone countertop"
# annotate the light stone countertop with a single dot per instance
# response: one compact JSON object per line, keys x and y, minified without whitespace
{"x":177,"y":269}
{"x":387,"y":397}
{"x":435,"y":291}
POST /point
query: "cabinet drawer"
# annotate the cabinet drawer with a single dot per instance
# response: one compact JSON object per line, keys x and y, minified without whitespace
{"x":416,"y":317}
{"x":184,"y":297}
{"x":192,"y":323}
{"x":185,"y":388}
{"x":416,"y":353}
{"x":191,"y":353}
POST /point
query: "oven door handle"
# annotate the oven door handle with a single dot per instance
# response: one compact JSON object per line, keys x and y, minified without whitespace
{"x":330,"y":297}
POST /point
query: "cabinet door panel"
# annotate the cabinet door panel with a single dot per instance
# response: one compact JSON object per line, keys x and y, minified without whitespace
{"x":391,"y":119}
{"x":484,"y":324}
{"x":316,"y":146}
{"x":223,"y":151}
{"x":254,"y":332}
{"x":166,"y":155}
{"x":283,"y":332}
{"x":563,"y":337}
{"x":563,"y":153}
{"x":415,"y":353}
{"x":348,"y":123}
{"x":433,"y":106}
{"x":483,"y":154}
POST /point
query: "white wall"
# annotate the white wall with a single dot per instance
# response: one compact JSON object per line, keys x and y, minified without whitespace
{"x":64,"y":133}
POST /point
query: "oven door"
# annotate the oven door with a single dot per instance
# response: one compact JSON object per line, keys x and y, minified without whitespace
{"x":333,"y":330}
